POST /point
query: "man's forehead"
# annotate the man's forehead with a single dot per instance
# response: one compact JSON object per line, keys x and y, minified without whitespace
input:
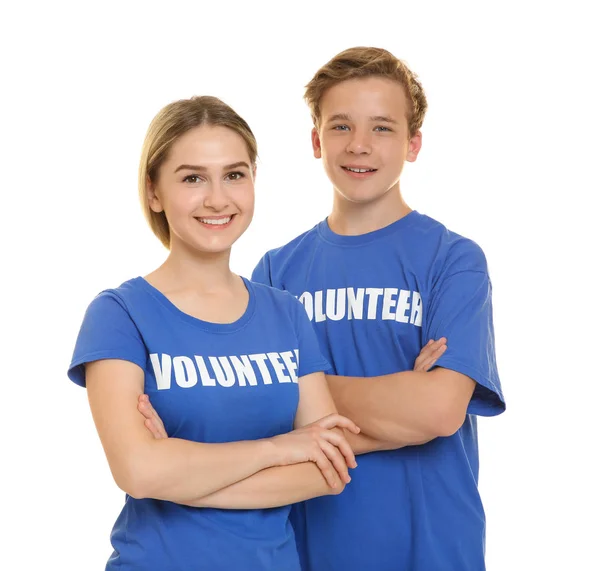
{"x":373,"y":97}
{"x":384,"y":118}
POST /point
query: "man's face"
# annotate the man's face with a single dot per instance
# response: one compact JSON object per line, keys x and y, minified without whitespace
{"x":363,"y":137}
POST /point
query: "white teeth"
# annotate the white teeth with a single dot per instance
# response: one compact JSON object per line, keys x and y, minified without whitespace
{"x":358,"y":170}
{"x":215,"y":221}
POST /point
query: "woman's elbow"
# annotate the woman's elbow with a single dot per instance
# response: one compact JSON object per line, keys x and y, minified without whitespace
{"x":132,"y":485}
{"x":134,"y":479}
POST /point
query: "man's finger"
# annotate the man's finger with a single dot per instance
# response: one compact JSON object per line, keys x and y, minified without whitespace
{"x":433,"y":359}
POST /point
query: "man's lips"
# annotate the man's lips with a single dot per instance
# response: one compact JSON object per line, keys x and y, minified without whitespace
{"x":356,"y":171}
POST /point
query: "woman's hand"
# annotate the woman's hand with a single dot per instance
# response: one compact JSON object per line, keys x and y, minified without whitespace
{"x":152,"y":421}
{"x":321,"y":442}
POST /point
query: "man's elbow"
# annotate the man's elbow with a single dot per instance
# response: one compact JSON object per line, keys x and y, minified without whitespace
{"x":448,"y":420}
{"x":448,"y":408}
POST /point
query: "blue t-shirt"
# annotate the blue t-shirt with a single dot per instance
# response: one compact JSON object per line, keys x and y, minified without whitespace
{"x":209,"y":383}
{"x":375,"y":300}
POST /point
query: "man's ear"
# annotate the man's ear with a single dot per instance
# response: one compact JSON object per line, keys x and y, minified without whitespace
{"x":414,"y":146}
{"x":153,"y":199}
{"x":316,"y":143}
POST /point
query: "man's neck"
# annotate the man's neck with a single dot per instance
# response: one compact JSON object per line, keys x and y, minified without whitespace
{"x":355,"y":218}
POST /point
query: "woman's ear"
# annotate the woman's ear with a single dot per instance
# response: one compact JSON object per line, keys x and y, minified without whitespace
{"x":153,"y":198}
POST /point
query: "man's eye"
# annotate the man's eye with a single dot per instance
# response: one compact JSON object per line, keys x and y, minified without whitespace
{"x":341,"y":128}
{"x":381,"y":128}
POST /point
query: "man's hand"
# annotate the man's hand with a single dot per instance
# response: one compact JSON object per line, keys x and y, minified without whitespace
{"x":430,"y":354}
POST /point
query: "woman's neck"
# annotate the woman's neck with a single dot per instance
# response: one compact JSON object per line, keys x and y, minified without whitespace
{"x":202,"y":272}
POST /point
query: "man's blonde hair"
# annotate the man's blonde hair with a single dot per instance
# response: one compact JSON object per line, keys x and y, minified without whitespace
{"x":361,"y":62}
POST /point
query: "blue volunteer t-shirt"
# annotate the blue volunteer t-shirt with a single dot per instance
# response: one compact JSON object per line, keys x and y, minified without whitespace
{"x":209,"y":383}
{"x":375,"y":300}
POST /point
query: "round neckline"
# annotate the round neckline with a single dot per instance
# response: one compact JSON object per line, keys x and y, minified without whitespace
{"x":330,"y":236}
{"x":195,"y":321}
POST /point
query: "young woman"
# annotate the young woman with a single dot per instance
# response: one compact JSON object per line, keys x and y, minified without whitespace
{"x":233,"y":369}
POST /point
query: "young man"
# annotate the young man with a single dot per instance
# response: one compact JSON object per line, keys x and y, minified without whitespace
{"x":378,"y":280}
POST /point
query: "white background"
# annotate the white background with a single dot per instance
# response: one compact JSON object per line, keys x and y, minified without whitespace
{"x":510,"y":159}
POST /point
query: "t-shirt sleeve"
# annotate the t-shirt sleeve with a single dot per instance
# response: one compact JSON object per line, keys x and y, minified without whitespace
{"x":310,"y":358}
{"x":262,"y":271}
{"x":461,"y":310}
{"x":107,"y":332}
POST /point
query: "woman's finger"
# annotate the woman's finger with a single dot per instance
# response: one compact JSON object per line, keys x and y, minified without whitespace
{"x":145,"y":409}
{"x":157,"y":418}
{"x":150,"y":412}
{"x":326,"y":467}
{"x":156,"y":424}
{"x":336,"y":459}
{"x":339,"y":421}
{"x":338,"y":439}
{"x":152,"y":428}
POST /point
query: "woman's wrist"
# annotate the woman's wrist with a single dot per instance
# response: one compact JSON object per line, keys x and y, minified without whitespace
{"x":269,"y":452}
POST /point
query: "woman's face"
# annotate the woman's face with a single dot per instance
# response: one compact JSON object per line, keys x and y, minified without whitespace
{"x":206,"y":189}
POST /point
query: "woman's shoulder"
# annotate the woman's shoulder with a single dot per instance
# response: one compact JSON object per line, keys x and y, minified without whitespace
{"x":126,"y":296}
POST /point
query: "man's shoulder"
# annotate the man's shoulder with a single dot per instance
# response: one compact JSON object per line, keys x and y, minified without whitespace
{"x":300,"y":242}
{"x":452,"y":247}
{"x":272,"y":267}
{"x":271,"y":298}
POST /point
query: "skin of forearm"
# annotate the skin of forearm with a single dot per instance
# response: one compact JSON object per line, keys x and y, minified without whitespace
{"x":177,"y":470}
{"x":271,"y":488}
{"x":401,"y":408}
{"x":362,"y":443}
{"x":284,"y":485}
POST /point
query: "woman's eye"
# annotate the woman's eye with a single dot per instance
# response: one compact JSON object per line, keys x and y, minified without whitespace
{"x":192,"y":178}
{"x":235,"y":175}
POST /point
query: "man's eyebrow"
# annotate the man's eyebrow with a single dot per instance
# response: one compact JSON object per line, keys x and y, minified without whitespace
{"x":346,"y":117}
{"x":383,"y":119}
{"x":339,"y":117}
{"x":201,"y":168}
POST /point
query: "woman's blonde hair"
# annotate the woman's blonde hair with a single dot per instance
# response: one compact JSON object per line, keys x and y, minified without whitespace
{"x":361,"y":62}
{"x":172,"y":122}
